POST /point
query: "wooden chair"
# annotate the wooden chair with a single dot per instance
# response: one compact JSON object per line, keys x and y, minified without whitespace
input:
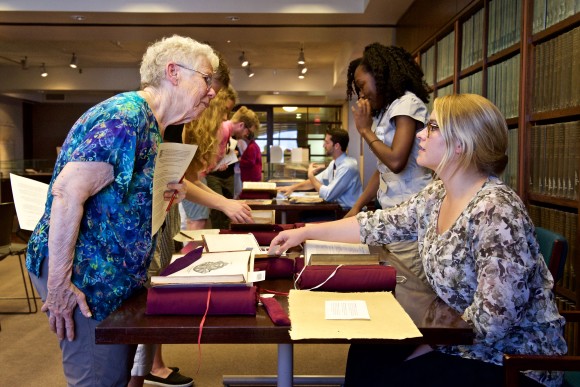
{"x":514,"y":364}
{"x":9,"y":249}
{"x":554,"y":248}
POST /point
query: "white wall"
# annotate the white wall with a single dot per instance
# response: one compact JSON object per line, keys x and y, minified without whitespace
{"x":11,"y":140}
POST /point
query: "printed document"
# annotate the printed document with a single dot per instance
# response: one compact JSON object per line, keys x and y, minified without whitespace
{"x":29,"y":199}
{"x":170,"y":166}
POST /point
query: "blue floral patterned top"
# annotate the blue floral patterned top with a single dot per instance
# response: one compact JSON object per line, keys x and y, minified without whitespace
{"x":487,"y":266}
{"x":114,"y":246}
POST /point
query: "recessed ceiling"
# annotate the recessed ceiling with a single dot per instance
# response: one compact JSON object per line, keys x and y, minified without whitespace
{"x":110,"y":37}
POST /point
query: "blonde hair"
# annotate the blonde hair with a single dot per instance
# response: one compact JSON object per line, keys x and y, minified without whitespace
{"x":178,"y":49}
{"x":478,"y":127}
{"x":248,"y":117}
{"x":204,"y":133}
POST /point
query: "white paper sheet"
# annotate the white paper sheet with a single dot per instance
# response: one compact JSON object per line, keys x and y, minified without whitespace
{"x":170,"y":166}
{"x":29,"y":199}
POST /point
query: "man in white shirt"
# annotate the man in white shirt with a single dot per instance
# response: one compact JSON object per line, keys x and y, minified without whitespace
{"x":340,"y":181}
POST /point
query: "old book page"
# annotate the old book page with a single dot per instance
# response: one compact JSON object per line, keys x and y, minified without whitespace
{"x":388,"y":319}
{"x":227,"y":267}
{"x":29,"y":199}
{"x":313,"y":246}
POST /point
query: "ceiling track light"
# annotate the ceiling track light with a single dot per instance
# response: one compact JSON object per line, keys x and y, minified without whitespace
{"x":43,"y":72}
{"x":73,"y":62}
{"x":249,"y":71}
{"x":24,"y":63}
{"x":303,"y":69}
{"x":301,"y":59}
{"x":243,"y":61}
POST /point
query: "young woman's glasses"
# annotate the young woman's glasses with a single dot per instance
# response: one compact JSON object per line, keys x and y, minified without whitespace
{"x":206,"y":77}
{"x":431,"y":127}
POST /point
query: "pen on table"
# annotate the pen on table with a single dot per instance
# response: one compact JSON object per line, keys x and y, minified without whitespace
{"x":185,"y":235}
{"x":173,"y":196}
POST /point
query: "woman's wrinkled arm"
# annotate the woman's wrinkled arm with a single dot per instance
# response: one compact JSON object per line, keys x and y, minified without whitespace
{"x":73,"y":186}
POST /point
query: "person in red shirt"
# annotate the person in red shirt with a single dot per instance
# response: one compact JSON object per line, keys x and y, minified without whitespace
{"x":251,"y":160}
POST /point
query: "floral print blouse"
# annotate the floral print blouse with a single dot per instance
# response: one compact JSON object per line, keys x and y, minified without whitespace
{"x":114,"y":245}
{"x":487,"y":266}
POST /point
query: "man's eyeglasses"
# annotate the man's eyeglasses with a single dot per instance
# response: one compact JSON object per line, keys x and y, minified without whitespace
{"x":206,"y":77}
{"x":431,"y":127}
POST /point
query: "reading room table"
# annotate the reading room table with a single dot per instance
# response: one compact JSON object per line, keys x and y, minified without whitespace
{"x":289,"y":212}
{"x":438,"y":323}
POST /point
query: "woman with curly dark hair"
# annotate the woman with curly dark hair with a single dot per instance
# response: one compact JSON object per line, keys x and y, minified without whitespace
{"x":388,"y":114}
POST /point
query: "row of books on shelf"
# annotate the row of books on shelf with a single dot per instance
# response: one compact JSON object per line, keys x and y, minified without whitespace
{"x":428,"y":64}
{"x":445,"y":55}
{"x":571,"y":331}
{"x":472,"y":41}
{"x":550,"y":12}
{"x":503,"y":80}
{"x":566,"y":224}
{"x":510,"y":174}
{"x":472,"y":83}
{"x":557,"y":73}
{"x":554,"y":159}
{"x":504,"y":24}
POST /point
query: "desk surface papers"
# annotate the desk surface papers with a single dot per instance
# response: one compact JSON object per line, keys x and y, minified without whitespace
{"x":388,"y":319}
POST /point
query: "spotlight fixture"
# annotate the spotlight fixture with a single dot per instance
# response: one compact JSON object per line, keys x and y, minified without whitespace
{"x":24,"y":63}
{"x":43,"y":72}
{"x":301,"y":59}
{"x":249,"y":71}
{"x":243,"y":61}
{"x":300,"y":73}
{"x":303,"y":69}
{"x":73,"y":62}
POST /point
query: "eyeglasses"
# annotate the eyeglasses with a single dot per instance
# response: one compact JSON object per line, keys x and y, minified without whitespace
{"x":431,"y":127}
{"x":206,"y":77}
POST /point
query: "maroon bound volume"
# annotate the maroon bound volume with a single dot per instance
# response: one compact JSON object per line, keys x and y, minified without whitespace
{"x":349,"y":278}
{"x":224,"y":300}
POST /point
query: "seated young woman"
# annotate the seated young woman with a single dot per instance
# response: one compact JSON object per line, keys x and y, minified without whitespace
{"x":479,"y":251}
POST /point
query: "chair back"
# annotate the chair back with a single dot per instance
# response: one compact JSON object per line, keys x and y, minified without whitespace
{"x":554,"y":248}
{"x":7,"y":212}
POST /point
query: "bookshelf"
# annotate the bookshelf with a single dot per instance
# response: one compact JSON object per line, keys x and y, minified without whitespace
{"x":524,"y":55}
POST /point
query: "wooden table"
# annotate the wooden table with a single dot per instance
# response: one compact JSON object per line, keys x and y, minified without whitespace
{"x":438,"y":323}
{"x":289,"y":212}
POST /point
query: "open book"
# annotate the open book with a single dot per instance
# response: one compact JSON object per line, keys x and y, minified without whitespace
{"x":337,"y":253}
{"x":216,"y":243}
{"x":258,"y":190}
{"x":231,"y":267}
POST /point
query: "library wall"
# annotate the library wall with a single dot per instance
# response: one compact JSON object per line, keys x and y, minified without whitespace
{"x":423,"y":19}
{"x":10,"y":132}
{"x":50,"y":124}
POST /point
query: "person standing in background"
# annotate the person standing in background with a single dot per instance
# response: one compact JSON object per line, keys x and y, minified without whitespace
{"x":388,"y":114}
{"x":196,"y":215}
{"x":251,"y":159}
{"x":91,"y":249}
{"x":224,"y":185}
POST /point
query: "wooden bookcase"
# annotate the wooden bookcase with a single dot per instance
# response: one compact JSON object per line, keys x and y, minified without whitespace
{"x":524,"y":55}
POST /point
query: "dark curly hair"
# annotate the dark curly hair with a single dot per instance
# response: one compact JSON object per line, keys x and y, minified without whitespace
{"x":394,"y":71}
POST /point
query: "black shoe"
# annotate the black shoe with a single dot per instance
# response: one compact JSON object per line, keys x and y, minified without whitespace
{"x":175,"y":379}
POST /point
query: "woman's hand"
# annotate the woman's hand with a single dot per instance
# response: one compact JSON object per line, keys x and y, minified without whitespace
{"x":352,"y":212}
{"x":175,"y":193}
{"x":363,"y":116}
{"x":237,"y":211}
{"x":286,"y":191}
{"x":287,"y":239}
{"x":60,"y":304}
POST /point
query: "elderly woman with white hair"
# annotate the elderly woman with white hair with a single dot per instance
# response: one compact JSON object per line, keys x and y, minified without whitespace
{"x":91,"y":248}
